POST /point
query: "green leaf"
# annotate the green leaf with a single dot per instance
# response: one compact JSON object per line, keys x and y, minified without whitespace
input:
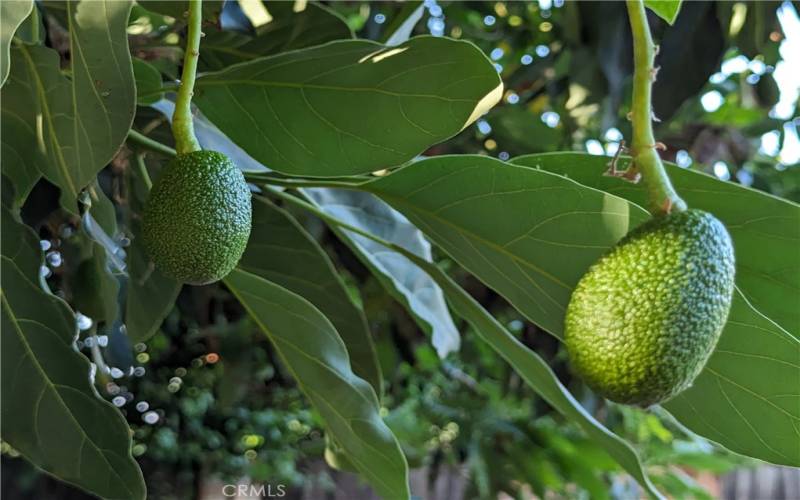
{"x":95,"y":289}
{"x":148,"y":82}
{"x":211,"y":138}
{"x":281,"y":251}
{"x":32,"y":30}
{"x":151,"y":295}
{"x":51,"y":413}
{"x":746,"y":398}
{"x":12,"y":13}
{"x":290,"y":30}
{"x":532,"y":368}
{"x":528,"y":234}
{"x":406,"y":282}
{"x":21,"y":159}
{"x":352,"y":106}
{"x":558,"y":228}
{"x":313,"y":351}
{"x":179,"y":8}
{"x":765,"y":229}
{"x":85,"y":119}
{"x":538,"y":375}
{"x":666,"y":9}
{"x":518,"y":131}
{"x":101,"y":209}
{"x":402,"y":26}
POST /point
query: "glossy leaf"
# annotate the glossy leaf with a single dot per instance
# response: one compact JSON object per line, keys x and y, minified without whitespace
{"x":536,"y":373}
{"x":84,"y":119}
{"x":12,"y":13}
{"x":409,"y":285}
{"x":315,"y":354}
{"x":666,"y":9}
{"x":765,"y":229}
{"x":281,"y":251}
{"x":303,"y":112}
{"x":314,"y":25}
{"x":560,"y":227}
{"x":51,"y":413}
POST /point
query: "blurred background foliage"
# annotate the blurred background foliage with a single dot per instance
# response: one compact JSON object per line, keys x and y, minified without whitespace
{"x":208,"y":400}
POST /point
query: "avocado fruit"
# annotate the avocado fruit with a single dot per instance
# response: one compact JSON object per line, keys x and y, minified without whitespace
{"x":197,"y":219}
{"x":644,"y":319}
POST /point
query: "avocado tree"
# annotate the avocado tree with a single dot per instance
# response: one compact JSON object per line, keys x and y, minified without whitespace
{"x":685,"y":286}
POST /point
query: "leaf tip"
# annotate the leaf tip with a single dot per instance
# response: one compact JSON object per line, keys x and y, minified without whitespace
{"x":485,"y":104}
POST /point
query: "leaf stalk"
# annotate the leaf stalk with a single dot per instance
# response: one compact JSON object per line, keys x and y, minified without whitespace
{"x":145,"y":142}
{"x":663,"y":198}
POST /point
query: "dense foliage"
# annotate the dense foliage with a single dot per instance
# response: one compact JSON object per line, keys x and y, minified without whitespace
{"x":414,"y":318}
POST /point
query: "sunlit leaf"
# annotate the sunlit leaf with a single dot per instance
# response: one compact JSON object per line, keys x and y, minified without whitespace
{"x":765,"y":229}
{"x":528,"y":234}
{"x":559,"y":228}
{"x":352,"y":106}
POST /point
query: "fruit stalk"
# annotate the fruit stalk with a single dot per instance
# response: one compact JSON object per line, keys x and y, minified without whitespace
{"x":182,"y":126}
{"x":662,"y":196}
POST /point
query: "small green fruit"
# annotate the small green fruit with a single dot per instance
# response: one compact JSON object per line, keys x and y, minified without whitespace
{"x":644,"y":319}
{"x":197,"y":219}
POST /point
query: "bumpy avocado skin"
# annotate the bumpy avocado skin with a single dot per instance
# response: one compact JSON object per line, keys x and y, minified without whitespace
{"x":197,"y":219}
{"x":644,"y":319}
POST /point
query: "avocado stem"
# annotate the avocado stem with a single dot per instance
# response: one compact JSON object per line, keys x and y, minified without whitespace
{"x":182,"y":126}
{"x":662,"y":197}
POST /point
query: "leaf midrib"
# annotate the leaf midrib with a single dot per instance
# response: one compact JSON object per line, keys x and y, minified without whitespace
{"x":224,"y":82}
{"x":471,"y":234}
{"x":61,"y":162}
